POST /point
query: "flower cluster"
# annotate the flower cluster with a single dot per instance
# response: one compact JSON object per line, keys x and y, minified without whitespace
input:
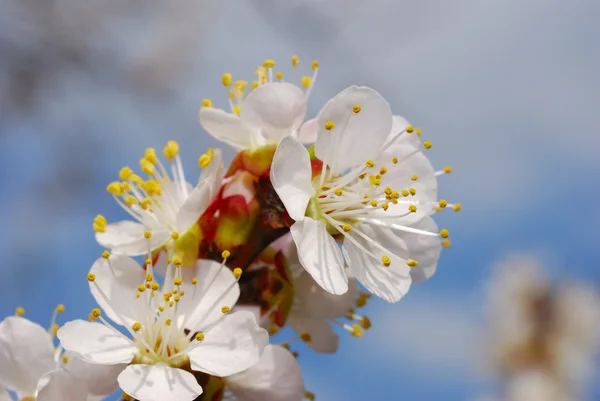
{"x":543,"y":336}
{"x":307,"y":214}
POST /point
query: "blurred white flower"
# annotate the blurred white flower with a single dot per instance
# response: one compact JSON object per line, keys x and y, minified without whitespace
{"x":273,"y":110}
{"x":276,"y":377}
{"x":32,"y":368}
{"x":186,"y":325}
{"x":163,"y":208}
{"x":543,"y":337}
{"x":372,"y":188}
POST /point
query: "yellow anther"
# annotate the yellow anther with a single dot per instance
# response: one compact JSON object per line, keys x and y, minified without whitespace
{"x":410,"y":129}
{"x":444,"y":233}
{"x":405,"y":193}
{"x":60,"y":308}
{"x":385,"y":206}
{"x":305,"y":337}
{"x":412,"y":262}
{"x":91,"y":277}
{"x":169,"y":261}
{"x":360,"y":302}
{"x":437,"y":209}
{"x":309,"y":396}
{"x":171,"y":304}
{"x":385,"y":259}
{"x":395,"y":195}
{"x":388,"y":191}
{"x":356,"y":109}
{"x":446,"y":243}
{"x":314,"y":65}
{"x":146,"y":166}
{"x":365,"y":323}
{"x":175,"y":235}
{"x":347,"y":227}
{"x":131,"y":200}
{"x":427,"y":144}
{"x":279,"y":75}
{"x":136,"y":179}
{"x":370,"y":163}
{"x":55,"y":328}
{"x":374,"y":203}
{"x":126,"y":397}
{"x":65,"y":359}
{"x":295,"y":60}
{"x":225,"y":309}
{"x":125,"y":187}
{"x":96,"y":313}
{"x":150,"y":155}
{"x":237,"y":272}
{"x":356,"y":331}
{"x":199,"y":336}
{"x":382,"y":171}
{"x":338,"y":192}
{"x":419,"y":131}
{"x":226,"y":79}
{"x":329,"y":125}
{"x":136,"y":326}
{"x":269,"y":63}
{"x":99,"y":219}
{"x":141,"y":288}
{"x":125,"y":173}
{"x":149,"y":276}
{"x":194,"y":281}
{"x":457,"y":207}
{"x":171,"y":150}
{"x":19,"y":311}
{"x":447,"y":170}
{"x":414,"y":177}
{"x":105,"y":254}
{"x":204,"y":161}
{"x":168,"y":322}
{"x":177,"y":281}
{"x":395,"y":160}
{"x":254,"y":85}
{"x":306,"y":81}
{"x":148,"y":261}
{"x":237,"y":109}
{"x":147,"y":234}
{"x":225,"y":254}
{"x":167,"y":296}
{"x":207,"y":103}
{"x":442,"y":203}
{"x":412,"y":191}
{"x":161,"y":308}
{"x":114,"y":188}
{"x":241,"y":85}
{"x":412,"y":208}
{"x":155,"y":286}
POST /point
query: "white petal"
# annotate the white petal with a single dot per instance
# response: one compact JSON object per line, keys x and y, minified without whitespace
{"x":232,"y":346}
{"x":159,"y":383}
{"x":193,"y":206}
{"x":227,"y":128}
{"x":201,"y":305}
{"x":424,"y":249}
{"x":308,"y":132}
{"x":26,"y":354}
{"x":389,"y":283}
{"x":355,"y":138}
{"x":61,"y":385}
{"x":127,"y":237}
{"x":322,"y":337}
{"x":291,"y":177}
{"x":4,"y":396}
{"x":96,"y":343}
{"x":119,"y":285}
{"x":277,"y":109}
{"x":276,"y":377}
{"x":214,"y":173}
{"x":320,"y":255}
{"x":312,"y":301}
{"x":100,"y":380}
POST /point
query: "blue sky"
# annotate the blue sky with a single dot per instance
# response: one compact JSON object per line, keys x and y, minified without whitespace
{"x":507,"y":91}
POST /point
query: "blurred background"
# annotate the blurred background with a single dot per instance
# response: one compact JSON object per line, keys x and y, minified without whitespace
{"x":508,"y":91}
